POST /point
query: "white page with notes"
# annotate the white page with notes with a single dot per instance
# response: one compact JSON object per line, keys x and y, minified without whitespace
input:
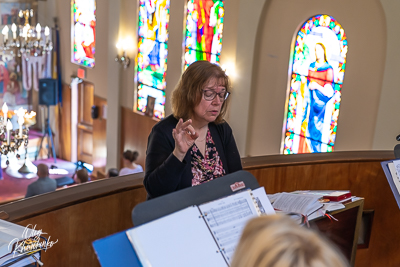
{"x":180,"y":239}
{"x":394,"y":168}
{"x":226,"y":218}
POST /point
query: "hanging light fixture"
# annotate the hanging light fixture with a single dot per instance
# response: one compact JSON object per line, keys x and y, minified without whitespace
{"x":26,"y":39}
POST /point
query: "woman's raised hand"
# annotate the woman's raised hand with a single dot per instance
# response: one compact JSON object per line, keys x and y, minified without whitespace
{"x":184,"y":136}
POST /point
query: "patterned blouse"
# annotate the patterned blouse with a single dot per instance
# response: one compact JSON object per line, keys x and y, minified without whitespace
{"x":206,"y":168}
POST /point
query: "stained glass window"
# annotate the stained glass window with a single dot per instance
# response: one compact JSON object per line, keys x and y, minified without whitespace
{"x":83,"y":32}
{"x":152,"y":54}
{"x":204,"y":26}
{"x":318,"y":62}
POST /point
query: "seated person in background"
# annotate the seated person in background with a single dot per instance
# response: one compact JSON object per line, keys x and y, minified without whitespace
{"x":130,"y":167}
{"x":112,"y":172}
{"x":82,"y":176}
{"x":277,"y":241}
{"x":43,"y":185}
{"x":194,"y":144}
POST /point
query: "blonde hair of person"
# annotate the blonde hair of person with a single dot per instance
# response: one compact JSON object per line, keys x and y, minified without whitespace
{"x":277,"y":241}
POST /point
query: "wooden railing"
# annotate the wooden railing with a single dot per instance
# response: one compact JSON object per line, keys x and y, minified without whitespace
{"x":358,"y":171}
{"x":79,"y":215}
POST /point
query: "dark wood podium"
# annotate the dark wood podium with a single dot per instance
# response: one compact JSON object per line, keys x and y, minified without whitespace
{"x":344,"y":232}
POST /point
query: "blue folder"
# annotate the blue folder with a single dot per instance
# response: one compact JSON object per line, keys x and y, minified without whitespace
{"x":116,"y":250}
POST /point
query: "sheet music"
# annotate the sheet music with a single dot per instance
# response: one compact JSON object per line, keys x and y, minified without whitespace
{"x":394,"y":167}
{"x":180,"y":239}
{"x":263,"y":201}
{"x":227,"y":217}
{"x":19,"y":262}
{"x":396,"y":164}
{"x":303,"y":204}
{"x":9,"y":232}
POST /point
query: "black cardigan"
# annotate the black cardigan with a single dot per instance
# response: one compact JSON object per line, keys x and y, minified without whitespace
{"x":165,"y":173}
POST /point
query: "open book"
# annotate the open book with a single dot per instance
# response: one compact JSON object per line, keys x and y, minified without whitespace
{"x":304,"y":204}
{"x":204,"y":235}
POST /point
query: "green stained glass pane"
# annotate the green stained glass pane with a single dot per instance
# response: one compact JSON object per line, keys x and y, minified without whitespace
{"x":203,"y":31}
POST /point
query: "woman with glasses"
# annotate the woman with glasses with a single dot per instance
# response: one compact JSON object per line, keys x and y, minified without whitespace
{"x":194,"y":144}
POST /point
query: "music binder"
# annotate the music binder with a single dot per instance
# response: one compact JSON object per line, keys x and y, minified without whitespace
{"x":161,"y":206}
{"x":18,"y":245}
{"x":23,"y":260}
{"x":199,"y":235}
{"x":392,"y":178}
{"x":117,"y":250}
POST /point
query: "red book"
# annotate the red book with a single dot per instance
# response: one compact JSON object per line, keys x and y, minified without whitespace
{"x":338,"y":195}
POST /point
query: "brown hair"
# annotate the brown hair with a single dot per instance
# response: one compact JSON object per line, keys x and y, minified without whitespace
{"x":189,"y":90}
{"x":277,"y":241}
{"x":82,"y":175}
{"x":130,"y":155}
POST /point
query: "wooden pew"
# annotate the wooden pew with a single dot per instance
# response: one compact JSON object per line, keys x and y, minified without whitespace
{"x":76,"y":216}
{"x":358,"y":171}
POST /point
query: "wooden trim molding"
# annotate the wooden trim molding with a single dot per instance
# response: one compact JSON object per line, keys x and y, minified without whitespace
{"x":37,"y":205}
{"x":315,"y":158}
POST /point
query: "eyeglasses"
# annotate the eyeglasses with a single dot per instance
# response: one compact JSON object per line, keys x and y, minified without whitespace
{"x":210,"y":95}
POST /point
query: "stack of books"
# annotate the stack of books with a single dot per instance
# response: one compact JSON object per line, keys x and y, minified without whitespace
{"x":303,"y":206}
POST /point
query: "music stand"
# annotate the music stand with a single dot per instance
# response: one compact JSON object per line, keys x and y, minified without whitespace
{"x":161,"y":206}
{"x":117,"y":250}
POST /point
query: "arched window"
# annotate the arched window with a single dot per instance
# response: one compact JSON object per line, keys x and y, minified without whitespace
{"x":318,"y":61}
{"x":152,"y":55}
{"x":204,"y":26}
{"x":83,"y":32}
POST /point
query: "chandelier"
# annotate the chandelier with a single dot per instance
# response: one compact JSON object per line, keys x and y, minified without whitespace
{"x":12,"y":140}
{"x":27,"y":40}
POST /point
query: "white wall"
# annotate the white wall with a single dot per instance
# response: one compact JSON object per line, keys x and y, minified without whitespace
{"x":256,"y":41}
{"x":362,"y":81}
{"x":387,"y":124}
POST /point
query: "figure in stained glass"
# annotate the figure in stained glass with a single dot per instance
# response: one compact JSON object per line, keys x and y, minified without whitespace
{"x":152,"y":54}
{"x":318,"y":66}
{"x":204,"y":26}
{"x":84,"y":32}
